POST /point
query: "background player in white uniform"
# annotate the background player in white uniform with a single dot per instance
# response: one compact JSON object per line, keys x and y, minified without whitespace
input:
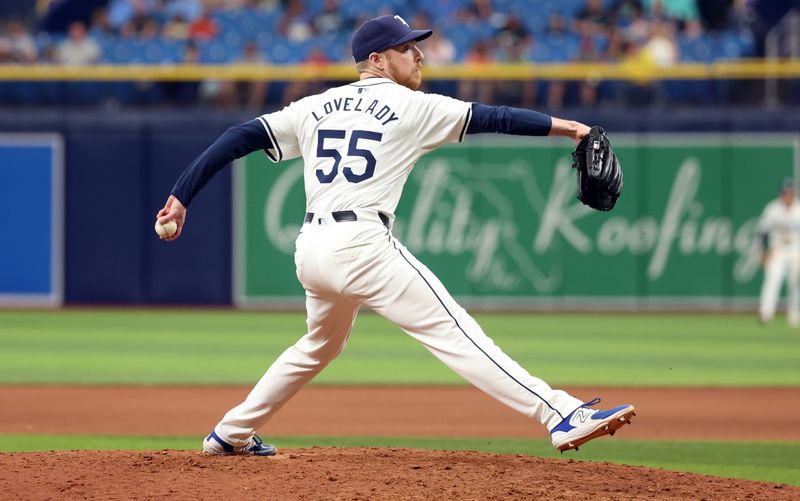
{"x":359,"y":143}
{"x":780,"y":231}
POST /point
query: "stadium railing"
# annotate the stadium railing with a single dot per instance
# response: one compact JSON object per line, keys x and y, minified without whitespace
{"x":754,"y":69}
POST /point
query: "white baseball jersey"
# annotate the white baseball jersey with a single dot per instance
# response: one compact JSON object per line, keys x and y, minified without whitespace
{"x":782,"y":224}
{"x":361,"y":140}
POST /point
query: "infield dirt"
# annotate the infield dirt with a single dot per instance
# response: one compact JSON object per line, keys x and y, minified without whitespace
{"x":371,"y":473}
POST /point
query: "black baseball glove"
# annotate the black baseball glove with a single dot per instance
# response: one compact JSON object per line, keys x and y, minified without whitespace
{"x":599,"y":172}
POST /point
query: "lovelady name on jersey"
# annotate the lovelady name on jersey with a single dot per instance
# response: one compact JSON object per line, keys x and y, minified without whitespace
{"x":384,"y":114}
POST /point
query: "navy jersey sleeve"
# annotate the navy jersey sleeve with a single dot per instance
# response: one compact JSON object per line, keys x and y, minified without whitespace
{"x":234,"y":143}
{"x":508,"y":120}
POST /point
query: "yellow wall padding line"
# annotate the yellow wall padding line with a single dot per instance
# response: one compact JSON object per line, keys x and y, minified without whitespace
{"x":743,"y":69}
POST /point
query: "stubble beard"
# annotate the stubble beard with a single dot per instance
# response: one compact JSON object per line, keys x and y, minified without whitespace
{"x":414,"y":80}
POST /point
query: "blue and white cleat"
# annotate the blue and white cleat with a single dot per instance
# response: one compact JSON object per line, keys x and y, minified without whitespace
{"x":255,"y":447}
{"x":585,"y":424}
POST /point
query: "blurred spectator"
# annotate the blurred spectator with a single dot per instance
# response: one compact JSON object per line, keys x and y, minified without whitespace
{"x":476,"y":11}
{"x":512,"y":35}
{"x":680,"y":10}
{"x":634,"y":24}
{"x":481,"y":52}
{"x":592,"y":19}
{"x":296,"y":89}
{"x":556,"y":26}
{"x":587,"y":88}
{"x":466,"y":14}
{"x":203,"y":28}
{"x":693,"y":28}
{"x":150,"y":30}
{"x":558,"y":32}
{"x":512,"y":42}
{"x":740,"y":16}
{"x":684,"y":12}
{"x":477,"y":90}
{"x":329,"y":20}
{"x":295,"y":24}
{"x":79,"y":49}
{"x":622,"y":12}
{"x":16,"y":44}
{"x":186,"y":93}
{"x":189,"y":10}
{"x":141,"y":17}
{"x":122,"y":12}
{"x":479,"y":14}
{"x":251,"y":93}
{"x":176,"y":28}
{"x":101,"y":25}
{"x":515,"y":92}
{"x":661,"y":49}
{"x":438,"y":49}
{"x":42,"y":6}
{"x":621,"y":47}
{"x":622,"y":9}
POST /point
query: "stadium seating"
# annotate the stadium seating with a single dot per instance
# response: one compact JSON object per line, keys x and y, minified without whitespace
{"x":238,"y":27}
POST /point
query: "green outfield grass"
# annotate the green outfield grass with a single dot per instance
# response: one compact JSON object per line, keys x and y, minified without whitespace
{"x":222,"y":347}
{"x":768,"y":462}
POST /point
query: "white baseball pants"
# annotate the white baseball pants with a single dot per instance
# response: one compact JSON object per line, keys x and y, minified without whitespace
{"x":346,"y":264}
{"x":782,"y":264}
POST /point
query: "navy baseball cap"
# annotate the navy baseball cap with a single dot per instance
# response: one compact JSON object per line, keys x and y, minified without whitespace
{"x":381,"y":33}
{"x":787,"y":184}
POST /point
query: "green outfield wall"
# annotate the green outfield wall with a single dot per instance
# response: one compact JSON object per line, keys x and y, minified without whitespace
{"x":497,"y":219}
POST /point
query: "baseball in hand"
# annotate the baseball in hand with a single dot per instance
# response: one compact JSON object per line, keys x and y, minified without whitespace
{"x":166,"y":230}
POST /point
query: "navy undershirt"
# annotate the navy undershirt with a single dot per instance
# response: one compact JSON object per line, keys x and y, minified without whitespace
{"x":234,"y":143}
{"x":508,"y":120}
{"x":248,"y":137}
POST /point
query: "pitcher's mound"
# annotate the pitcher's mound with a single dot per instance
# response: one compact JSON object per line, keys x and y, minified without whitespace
{"x":352,"y":473}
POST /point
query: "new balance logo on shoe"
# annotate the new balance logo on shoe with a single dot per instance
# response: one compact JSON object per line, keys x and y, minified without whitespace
{"x":582,"y":415}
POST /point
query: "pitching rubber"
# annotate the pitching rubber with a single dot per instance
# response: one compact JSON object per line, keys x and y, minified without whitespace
{"x":607,"y":426}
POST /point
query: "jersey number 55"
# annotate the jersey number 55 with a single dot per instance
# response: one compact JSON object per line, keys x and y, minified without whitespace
{"x":352,"y":151}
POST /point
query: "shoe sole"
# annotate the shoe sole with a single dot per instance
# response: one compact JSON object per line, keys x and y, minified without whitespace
{"x":240,"y":454}
{"x":606,"y":427}
{"x":271,"y":453}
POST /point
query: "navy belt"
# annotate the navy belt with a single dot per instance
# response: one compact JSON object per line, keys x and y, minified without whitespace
{"x":348,"y":215}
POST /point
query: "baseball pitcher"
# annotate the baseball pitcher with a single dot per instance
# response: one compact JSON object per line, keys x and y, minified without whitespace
{"x":359,"y":143}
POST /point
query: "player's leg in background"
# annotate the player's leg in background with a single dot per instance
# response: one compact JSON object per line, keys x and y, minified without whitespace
{"x":330,"y":321}
{"x":793,"y":289}
{"x":774,"y":270}
{"x":412,"y":297}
